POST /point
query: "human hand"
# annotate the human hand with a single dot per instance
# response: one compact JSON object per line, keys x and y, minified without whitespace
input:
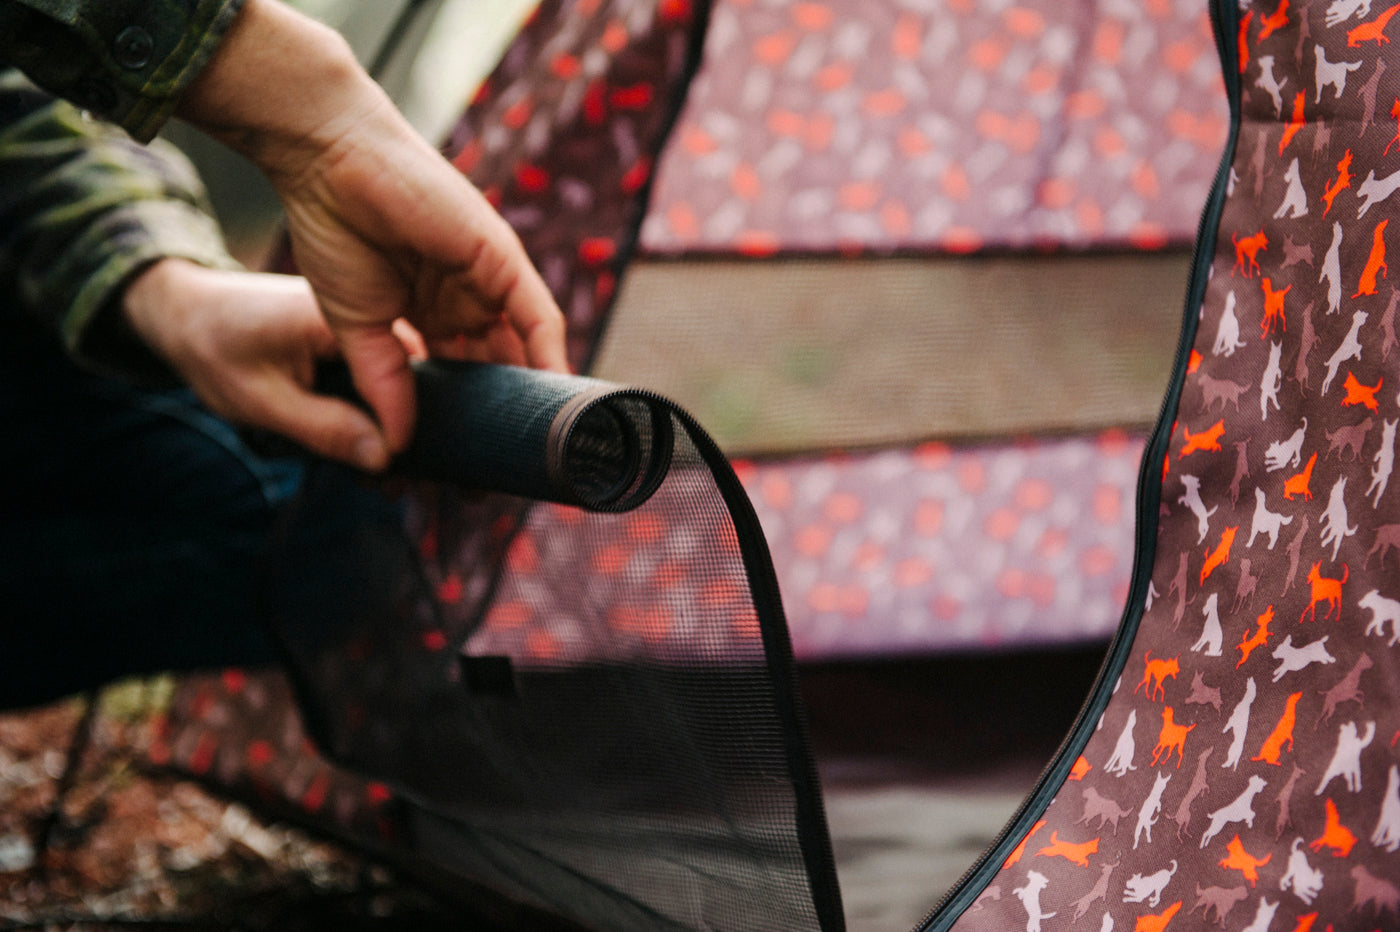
{"x":248,"y":343}
{"x":380,"y":224}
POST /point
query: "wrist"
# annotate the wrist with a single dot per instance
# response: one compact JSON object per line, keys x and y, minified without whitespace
{"x":150,"y":312}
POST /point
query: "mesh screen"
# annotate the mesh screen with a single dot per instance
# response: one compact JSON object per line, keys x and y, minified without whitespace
{"x":607,"y":729}
{"x":792,"y":354}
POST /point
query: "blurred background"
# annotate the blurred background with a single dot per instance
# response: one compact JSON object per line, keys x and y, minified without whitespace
{"x":918,"y":266}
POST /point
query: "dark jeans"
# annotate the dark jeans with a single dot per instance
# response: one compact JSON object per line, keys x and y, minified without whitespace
{"x":131,"y":526}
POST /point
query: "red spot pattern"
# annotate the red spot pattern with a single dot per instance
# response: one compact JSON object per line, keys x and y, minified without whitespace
{"x":582,"y":109}
{"x":1112,"y":171}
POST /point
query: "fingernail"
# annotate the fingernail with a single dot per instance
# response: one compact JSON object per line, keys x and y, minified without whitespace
{"x":370,"y":453}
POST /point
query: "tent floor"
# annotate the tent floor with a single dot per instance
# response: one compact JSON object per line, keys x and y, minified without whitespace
{"x":923,"y":761}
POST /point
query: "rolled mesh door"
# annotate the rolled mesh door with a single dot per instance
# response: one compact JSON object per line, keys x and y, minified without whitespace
{"x":608,"y":731}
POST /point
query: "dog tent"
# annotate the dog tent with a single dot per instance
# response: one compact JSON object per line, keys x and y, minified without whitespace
{"x":589,"y":715}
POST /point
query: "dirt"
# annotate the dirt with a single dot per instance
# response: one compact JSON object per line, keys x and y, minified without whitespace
{"x":92,"y":838}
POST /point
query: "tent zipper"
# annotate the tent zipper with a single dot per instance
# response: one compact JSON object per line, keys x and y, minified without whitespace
{"x":1224,"y":19}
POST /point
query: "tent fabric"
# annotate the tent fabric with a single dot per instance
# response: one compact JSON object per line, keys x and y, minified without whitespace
{"x":897,"y":126}
{"x":1244,"y":727}
{"x":856,"y":262}
{"x":564,"y":134}
{"x":535,"y":624}
{"x":951,"y":548}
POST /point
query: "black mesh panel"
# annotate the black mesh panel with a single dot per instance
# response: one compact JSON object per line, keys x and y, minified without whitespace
{"x":610,"y":733}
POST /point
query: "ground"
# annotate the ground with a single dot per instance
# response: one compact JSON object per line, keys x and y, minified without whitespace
{"x":107,"y":843}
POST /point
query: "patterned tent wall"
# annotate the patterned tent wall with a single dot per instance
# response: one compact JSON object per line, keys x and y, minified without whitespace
{"x":874,"y":230}
{"x":590,"y":85}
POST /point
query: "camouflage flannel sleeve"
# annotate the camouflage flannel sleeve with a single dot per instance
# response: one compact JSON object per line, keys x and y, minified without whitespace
{"x":124,"y":60}
{"x":82,"y":209}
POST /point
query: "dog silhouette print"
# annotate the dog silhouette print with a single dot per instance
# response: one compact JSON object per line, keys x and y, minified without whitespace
{"x":1220,"y":555}
{"x":1075,"y":853}
{"x":1247,"y":250}
{"x":1375,"y":263}
{"x":1241,"y":809}
{"x":1343,"y":180}
{"x":1282,"y":733}
{"x":1335,"y":835}
{"x":1154,"y":672}
{"x":1171,"y":738}
{"x":1358,"y":394}
{"x":1238,"y":859}
{"x":1325,"y":589}
{"x":1273,"y":309}
{"x":1206,"y":441}
{"x":1259,"y":638}
{"x":1373,"y":31}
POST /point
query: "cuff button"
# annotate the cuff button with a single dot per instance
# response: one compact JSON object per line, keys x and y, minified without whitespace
{"x":134,"y":47}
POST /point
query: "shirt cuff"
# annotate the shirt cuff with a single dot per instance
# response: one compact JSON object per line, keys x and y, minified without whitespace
{"x":143,"y":112}
{"x":110,"y":253}
{"x":125,"y":62}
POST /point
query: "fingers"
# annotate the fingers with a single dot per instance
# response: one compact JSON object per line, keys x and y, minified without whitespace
{"x":389,"y":229}
{"x":539,"y":324}
{"x":499,"y":344}
{"x":379,"y":367}
{"x":526,"y":303}
{"x":411,"y":340}
{"x":327,"y":426}
{"x":474,"y":274}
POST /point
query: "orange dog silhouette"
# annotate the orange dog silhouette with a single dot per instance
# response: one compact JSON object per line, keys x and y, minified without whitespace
{"x":1273,"y":309}
{"x":1015,"y":856}
{"x":1249,"y":249}
{"x":1243,"y":43}
{"x":1077,"y":854}
{"x":1394,"y":112}
{"x":1241,"y":860}
{"x":1334,"y":835}
{"x":1374,"y":31}
{"x":1220,"y":555}
{"x":1358,"y":394}
{"x":1154,"y":672}
{"x":1305,"y":923}
{"x":1259,"y":638}
{"x":1298,"y":485}
{"x":1274,"y":21}
{"x":1325,"y":590}
{"x":1375,"y":263}
{"x":1341,"y":184}
{"x":1158,"y":922}
{"x":1080,"y":769}
{"x":1172,"y":738}
{"x":1282,"y":733}
{"x":1295,"y":123}
{"x":1207,"y":441}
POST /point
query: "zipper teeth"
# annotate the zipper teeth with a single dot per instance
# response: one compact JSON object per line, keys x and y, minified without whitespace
{"x":1148,"y":496}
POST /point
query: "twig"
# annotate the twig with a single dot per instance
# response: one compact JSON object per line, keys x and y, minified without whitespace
{"x":77,"y":748}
